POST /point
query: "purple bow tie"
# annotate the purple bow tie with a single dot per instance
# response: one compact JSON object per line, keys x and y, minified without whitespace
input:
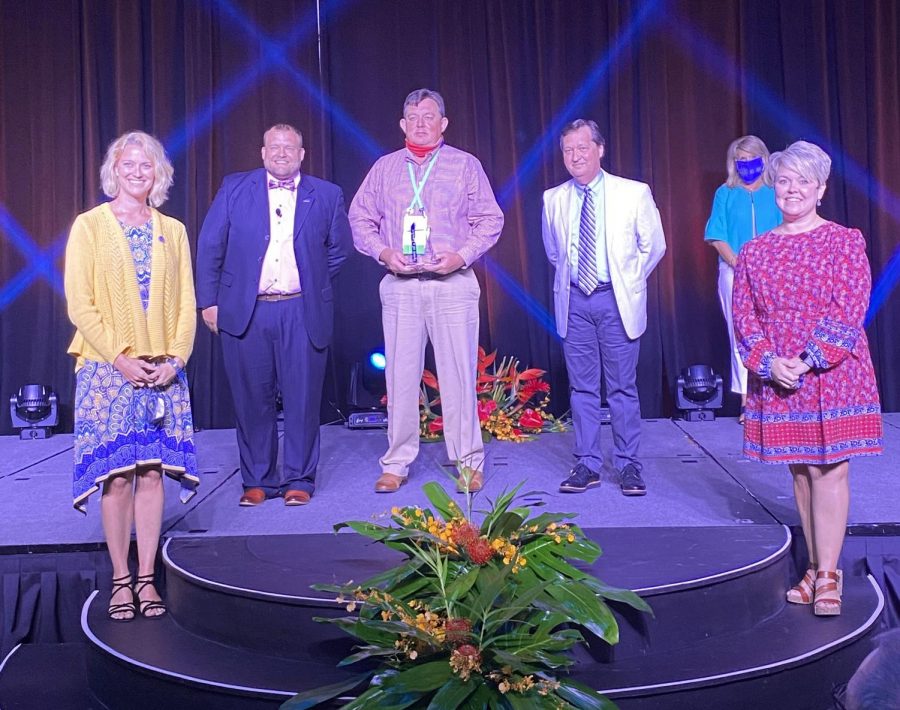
{"x":286,"y":184}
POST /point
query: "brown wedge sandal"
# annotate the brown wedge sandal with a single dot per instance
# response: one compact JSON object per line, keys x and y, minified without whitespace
{"x":829,"y":588}
{"x":803,"y":591}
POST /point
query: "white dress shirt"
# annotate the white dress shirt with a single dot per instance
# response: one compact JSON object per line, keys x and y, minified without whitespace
{"x":280,"y":274}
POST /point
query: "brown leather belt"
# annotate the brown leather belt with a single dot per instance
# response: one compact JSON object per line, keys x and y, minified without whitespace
{"x":270,"y":297}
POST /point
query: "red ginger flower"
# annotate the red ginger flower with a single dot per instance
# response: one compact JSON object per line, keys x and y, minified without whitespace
{"x":465,"y":534}
{"x":531,"y":388}
{"x":458,"y":630}
{"x":467,"y":649}
{"x":480,"y":551}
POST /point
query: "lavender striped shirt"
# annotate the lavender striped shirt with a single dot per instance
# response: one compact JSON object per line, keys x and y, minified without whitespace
{"x":462,"y":212}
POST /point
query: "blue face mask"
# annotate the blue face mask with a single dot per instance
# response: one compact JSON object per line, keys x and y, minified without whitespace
{"x":749,"y":170}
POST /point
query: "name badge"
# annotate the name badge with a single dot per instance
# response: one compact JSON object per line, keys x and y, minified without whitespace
{"x":415,"y":234}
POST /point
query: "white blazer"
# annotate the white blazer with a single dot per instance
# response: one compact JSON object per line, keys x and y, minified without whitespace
{"x":634,"y":245}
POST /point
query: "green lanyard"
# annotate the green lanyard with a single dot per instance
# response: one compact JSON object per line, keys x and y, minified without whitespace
{"x":417,"y":187}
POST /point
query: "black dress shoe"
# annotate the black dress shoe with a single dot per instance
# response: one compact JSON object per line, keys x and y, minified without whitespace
{"x":580,"y":479}
{"x":631,"y":482}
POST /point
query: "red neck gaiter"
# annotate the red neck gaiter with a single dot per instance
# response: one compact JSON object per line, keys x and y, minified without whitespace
{"x":420,"y":151}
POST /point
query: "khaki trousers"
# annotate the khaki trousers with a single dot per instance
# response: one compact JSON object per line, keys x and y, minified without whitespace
{"x":444,"y":311}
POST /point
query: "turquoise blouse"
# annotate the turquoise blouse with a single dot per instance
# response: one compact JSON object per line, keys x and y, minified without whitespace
{"x":738,"y":215}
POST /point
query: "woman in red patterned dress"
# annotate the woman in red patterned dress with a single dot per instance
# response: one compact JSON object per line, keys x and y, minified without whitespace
{"x":800,"y":296}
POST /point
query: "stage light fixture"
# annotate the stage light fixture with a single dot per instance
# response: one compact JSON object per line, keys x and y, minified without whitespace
{"x":34,"y":410}
{"x":377,"y":360}
{"x":699,"y":393}
{"x":366,"y":392}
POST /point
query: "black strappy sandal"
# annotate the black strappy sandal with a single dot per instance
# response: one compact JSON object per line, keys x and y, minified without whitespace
{"x":120,"y":583}
{"x":146,"y":580}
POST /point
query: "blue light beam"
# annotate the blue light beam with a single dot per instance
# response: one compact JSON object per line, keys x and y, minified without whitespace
{"x":578,"y":97}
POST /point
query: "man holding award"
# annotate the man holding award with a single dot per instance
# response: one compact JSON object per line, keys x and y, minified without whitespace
{"x":427,"y":213}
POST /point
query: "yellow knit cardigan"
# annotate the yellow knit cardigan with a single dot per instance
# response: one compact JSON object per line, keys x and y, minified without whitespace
{"x":102,"y":293}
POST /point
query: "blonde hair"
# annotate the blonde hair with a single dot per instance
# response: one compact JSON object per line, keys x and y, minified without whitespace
{"x":752,"y":145}
{"x":163,"y":172}
{"x":806,"y":159}
{"x":286,"y":127}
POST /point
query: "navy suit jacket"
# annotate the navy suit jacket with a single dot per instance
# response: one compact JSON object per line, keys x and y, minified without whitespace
{"x":233,"y":242}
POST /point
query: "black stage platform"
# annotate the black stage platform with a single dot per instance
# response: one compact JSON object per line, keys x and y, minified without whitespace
{"x":709,"y":547}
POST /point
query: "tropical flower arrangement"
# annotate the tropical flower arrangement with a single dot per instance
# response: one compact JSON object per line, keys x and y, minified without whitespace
{"x":512,"y":403}
{"x":476,"y":616}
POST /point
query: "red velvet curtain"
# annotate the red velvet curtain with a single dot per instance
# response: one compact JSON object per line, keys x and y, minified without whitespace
{"x":670,"y":83}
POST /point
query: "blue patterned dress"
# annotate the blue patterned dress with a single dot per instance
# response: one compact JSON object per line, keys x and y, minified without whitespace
{"x":114,"y":432}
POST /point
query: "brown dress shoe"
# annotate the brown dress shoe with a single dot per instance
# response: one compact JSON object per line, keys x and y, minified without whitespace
{"x":389,"y":483}
{"x":252,"y":496}
{"x":296,"y":498}
{"x":474,"y":478}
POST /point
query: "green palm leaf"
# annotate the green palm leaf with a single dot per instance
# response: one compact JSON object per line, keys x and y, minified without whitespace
{"x":452,"y":694}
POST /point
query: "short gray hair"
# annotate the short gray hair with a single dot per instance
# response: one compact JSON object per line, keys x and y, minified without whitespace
{"x":596,"y":136}
{"x":752,"y":145}
{"x":806,"y":159}
{"x":419,"y":95}
{"x":163,"y":172}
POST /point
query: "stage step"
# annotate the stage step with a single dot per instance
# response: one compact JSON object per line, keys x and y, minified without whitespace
{"x":46,"y":675}
{"x":240,"y":632}
{"x":149,"y":664}
{"x":781,"y":662}
{"x":256,"y":592}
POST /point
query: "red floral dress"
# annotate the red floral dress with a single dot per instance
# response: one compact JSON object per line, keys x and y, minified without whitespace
{"x":810,"y":291}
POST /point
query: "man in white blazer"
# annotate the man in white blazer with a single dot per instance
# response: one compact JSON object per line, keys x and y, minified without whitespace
{"x":603,"y":235}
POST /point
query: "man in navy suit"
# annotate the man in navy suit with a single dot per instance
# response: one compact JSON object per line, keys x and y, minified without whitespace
{"x":270,"y":246}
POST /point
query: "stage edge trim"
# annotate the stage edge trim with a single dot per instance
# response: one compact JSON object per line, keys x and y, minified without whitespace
{"x":644,"y":591}
{"x":201,"y":682}
{"x":252,"y":593}
{"x":8,"y":656}
{"x":720,"y":576}
{"x":746,"y":673}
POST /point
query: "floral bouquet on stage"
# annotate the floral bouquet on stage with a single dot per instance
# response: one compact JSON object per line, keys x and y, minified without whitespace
{"x":511,"y":403}
{"x":477,"y":615}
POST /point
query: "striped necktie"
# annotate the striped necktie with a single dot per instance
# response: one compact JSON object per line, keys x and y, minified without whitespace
{"x":587,"y":246}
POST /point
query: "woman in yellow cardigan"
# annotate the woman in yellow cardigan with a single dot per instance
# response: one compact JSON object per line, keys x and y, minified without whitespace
{"x":130,"y":295}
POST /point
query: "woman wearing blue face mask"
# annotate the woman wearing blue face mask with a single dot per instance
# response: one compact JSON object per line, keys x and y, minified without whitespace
{"x":742,"y":208}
